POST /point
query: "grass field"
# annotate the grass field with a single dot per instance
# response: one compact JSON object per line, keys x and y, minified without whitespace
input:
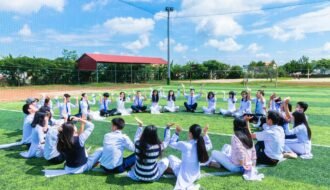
{"x":19,"y":173}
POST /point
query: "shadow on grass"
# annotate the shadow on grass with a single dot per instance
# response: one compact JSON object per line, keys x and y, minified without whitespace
{"x":15,"y":133}
{"x":35,"y":171}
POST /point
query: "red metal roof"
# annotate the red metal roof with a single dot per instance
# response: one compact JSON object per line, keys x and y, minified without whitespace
{"x":88,"y":61}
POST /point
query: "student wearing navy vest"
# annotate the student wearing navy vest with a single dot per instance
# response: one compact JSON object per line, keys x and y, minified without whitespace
{"x":71,"y":144}
{"x":105,"y":110}
{"x":138,"y":106}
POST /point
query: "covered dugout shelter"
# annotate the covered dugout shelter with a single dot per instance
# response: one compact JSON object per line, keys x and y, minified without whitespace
{"x":92,"y":62}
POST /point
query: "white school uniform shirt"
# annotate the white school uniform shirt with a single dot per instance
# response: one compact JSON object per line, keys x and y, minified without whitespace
{"x":245,"y":106}
{"x":27,"y":129}
{"x":274,"y":139}
{"x":50,"y":149}
{"x":192,"y":99}
{"x":231,"y":104}
{"x":138,"y":101}
{"x":104,"y":104}
{"x":211,"y":103}
{"x":190,"y":167}
{"x":84,"y":106}
{"x":302,"y":136}
{"x":37,"y":137}
{"x":114,"y":144}
{"x":65,"y":108}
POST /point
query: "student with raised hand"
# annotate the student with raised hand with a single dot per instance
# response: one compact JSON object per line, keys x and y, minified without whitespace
{"x":104,"y":103}
{"x":260,"y":102}
{"x":84,"y":106}
{"x":46,"y":101}
{"x":245,"y":105}
{"x":302,"y":144}
{"x":71,"y":143}
{"x":39,"y":130}
{"x":170,"y":107}
{"x":66,"y":106}
{"x":121,"y":100}
{"x":275,"y":103}
{"x":191,"y":103}
{"x":193,"y":153}
{"x":29,"y":110}
{"x":138,"y":106}
{"x":51,"y":154}
{"x":155,"y":108}
{"x":241,"y":154}
{"x":231,"y":104}
{"x":114,"y":144}
{"x":148,"y":150}
{"x":270,"y":145}
{"x":211,"y":103}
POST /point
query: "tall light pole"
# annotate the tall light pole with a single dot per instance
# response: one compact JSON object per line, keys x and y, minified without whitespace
{"x":168,"y":10}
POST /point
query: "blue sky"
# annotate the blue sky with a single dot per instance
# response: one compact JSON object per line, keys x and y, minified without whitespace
{"x":232,"y":31}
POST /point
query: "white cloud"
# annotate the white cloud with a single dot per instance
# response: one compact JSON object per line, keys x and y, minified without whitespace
{"x":297,"y":27}
{"x":254,"y":48}
{"x":93,"y":4}
{"x":180,"y":48}
{"x":262,"y":55}
{"x":138,"y":44}
{"x":30,"y":6}
{"x":6,"y":40}
{"x":25,"y":31}
{"x":162,"y":45}
{"x":326,"y":47}
{"x":219,"y":26}
{"x":228,"y":44}
{"x":129,"y":25}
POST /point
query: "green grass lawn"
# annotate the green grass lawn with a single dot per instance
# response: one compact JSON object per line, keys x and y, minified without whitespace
{"x":19,"y":173}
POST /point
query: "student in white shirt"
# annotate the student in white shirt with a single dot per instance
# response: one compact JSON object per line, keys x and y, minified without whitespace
{"x":148,"y":150}
{"x":51,"y":153}
{"x":270,"y":145}
{"x":66,"y":106}
{"x":84,"y":107}
{"x":170,"y":107}
{"x":231,"y":104}
{"x":29,"y":110}
{"x":245,"y":105}
{"x":191,"y":103}
{"x":212,"y":102}
{"x":155,"y":108}
{"x":121,"y":100}
{"x":71,"y":143}
{"x":46,"y":101}
{"x":260,"y":103}
{"x":193,"y":153}
{"x":275,"y":103}
{"x":138,"y":106}
{"x":39,"y":130}
{"x":105,"y":110}
{"x":114,"y":144}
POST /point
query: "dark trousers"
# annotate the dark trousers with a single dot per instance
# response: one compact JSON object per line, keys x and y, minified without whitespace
{"x":190,"y":107}
{"x":106,"y":113}
{"x":57,"y":160}
{"x":138,"y":108}
{"x":128,"y":162}
{"x":262,"y":158}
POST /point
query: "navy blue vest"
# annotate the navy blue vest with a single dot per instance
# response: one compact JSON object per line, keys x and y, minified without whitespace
{"x":76,"y":156}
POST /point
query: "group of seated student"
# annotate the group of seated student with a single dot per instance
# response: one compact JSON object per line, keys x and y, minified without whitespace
{"x":63,"y":140}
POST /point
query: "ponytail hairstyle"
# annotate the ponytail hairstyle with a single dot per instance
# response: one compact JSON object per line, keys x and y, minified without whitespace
{"x":47,"y":100}
{"x":148,"y":138}
{"x":46,"y":109}
{"x":242,"y":133}
{"x":82,"y":97}
{"x":232,"y":94}
{"x":209,"y":95}
{"x":169,"y":95}
{"x":244,"y":92}
{"x":155,"y":98}
{"x":196,"y":131}
{"x":39,"y":119}
{"x":124,"y":98}
{"x":65,"y":137}
{"x":299,"y":119}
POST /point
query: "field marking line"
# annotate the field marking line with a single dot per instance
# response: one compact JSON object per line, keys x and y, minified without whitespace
{"x":212,"y":133}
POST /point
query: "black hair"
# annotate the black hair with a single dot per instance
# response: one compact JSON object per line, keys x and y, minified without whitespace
{"x":39,"y":119}
{"x":148,"y":138}
{"x":290,"y":107}
{"x":118,"y":122}
{"x":262,"y":92}
{"x":26,"y":108}
{"x":47,"y":100}
{"x":274,"y":116}
{"x":210,"y":94}
{"x":106,"y":95}
{"x":124,"y":99}
{"x":65,"y":137}
{"x":46,"y":109}
{"x":155,"y":98}
{"x":304,"y":105}
{"x":244,"y":92}
{"x":242,"y":133}
{"x":300,"y":118}
{"x":196,"y":131}
{"x":232,"y":93}
{"x":81,"y":99}
{"x":169,"y":95}
{"x":192,"y":89}
{"x":67,"y":95}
